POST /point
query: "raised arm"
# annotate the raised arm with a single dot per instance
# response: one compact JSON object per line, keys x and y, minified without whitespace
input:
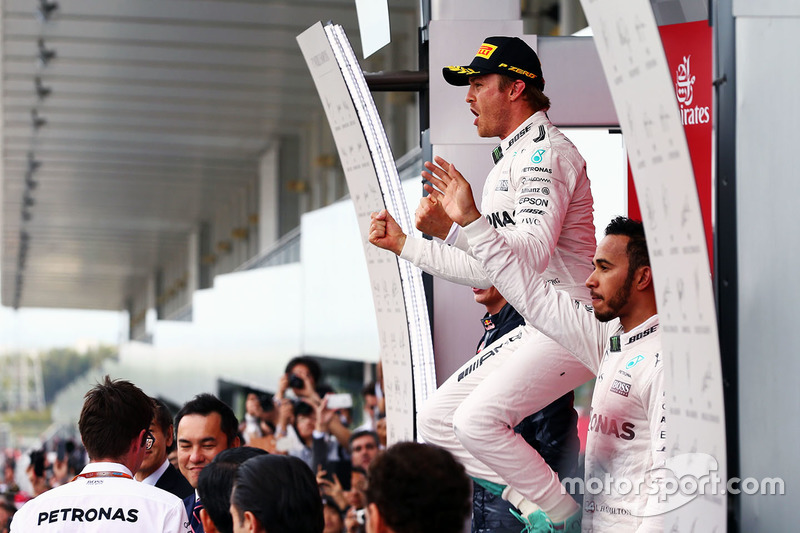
{"x":532,"y":219}
{"x":553,"y":312}
{"x":435,"y":258}
{"x":533,"y":224}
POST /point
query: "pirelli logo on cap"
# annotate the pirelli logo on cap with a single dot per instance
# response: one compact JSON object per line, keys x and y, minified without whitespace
{"x":486,"y":50}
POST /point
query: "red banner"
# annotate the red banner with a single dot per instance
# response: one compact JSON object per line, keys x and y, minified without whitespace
{"x":689,"y":55}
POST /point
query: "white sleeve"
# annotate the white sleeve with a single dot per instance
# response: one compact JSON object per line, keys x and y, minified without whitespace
{"x":539,"y":213}
{"x":446,"y":262}
{"x":456,"y":238}
{"x":551,"y":311}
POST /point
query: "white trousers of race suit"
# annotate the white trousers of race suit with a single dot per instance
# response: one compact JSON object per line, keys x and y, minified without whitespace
{"x":473,"y":414}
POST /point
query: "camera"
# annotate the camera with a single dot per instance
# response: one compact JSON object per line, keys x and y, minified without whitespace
{"x":296,"y":382}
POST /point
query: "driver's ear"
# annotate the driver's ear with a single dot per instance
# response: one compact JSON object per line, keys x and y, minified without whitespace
{"x":517,"y":88}
{"x":645,"y":278}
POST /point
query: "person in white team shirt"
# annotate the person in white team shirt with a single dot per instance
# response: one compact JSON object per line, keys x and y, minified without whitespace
{"x":538,"y":196}
{"x":619,"y":334}
{"x":104,"y":497}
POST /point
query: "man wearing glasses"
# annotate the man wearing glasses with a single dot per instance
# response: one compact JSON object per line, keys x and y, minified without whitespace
{"x":104,"y":496}
{"x":156,"y":468}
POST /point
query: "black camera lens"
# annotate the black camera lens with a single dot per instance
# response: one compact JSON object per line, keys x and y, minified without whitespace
{"x":296,"y":382}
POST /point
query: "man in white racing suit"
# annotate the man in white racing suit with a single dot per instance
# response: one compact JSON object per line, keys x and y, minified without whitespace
{"x":538,"y":196}
{"x":104,"y":496}
{"x":618,"y":335}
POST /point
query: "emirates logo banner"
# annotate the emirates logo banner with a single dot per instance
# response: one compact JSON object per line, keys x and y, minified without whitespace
{"x":689,"y":56}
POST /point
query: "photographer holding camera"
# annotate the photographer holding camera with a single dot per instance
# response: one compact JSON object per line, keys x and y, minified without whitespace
{"x":302,"y":383}
{"x":303,"y":377}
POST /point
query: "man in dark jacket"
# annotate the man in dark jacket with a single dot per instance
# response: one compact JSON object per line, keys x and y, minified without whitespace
{"x":205,"y":426}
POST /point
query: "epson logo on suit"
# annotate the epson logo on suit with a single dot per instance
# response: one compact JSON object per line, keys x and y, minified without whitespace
{"x":534,"y":201}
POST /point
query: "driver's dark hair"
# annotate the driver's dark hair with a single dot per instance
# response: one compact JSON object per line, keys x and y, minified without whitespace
{"x":532,"y":94}
{"x":637,"y":244}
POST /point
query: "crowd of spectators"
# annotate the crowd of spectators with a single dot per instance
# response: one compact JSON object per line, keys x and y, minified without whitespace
{"x":252,"y":475}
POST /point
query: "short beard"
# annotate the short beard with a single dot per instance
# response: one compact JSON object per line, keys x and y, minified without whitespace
{"x":617,"y":302}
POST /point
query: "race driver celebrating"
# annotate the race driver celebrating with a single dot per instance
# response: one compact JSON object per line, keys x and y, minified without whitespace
{"x":538,"y":196}
{"x":619,"y":334}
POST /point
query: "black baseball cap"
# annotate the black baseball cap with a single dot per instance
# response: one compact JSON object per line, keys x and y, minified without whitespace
{"x":510,"y":56}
